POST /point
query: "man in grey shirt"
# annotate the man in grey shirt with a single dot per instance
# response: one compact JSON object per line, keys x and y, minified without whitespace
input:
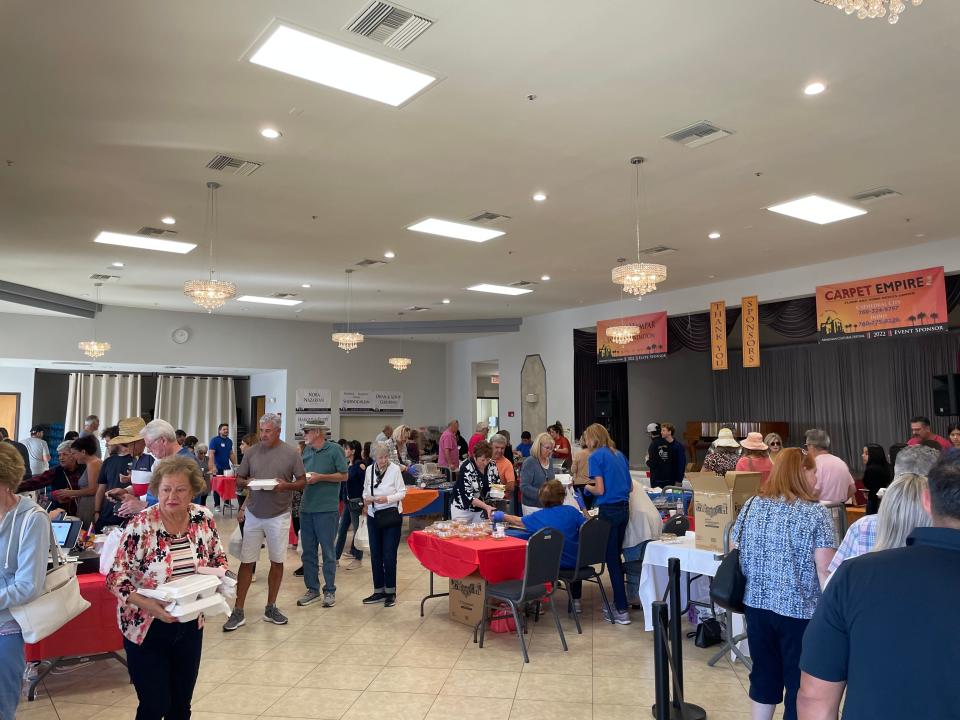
{"x":266,"y":515}
{"x":38,"y":450}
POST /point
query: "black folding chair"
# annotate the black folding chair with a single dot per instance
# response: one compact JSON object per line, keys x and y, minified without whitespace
{"x":591,"y":551}
{"x":542,"y":567}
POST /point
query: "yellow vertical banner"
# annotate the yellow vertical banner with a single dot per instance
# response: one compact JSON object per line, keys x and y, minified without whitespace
{"x":718,"y":335}
{"x":750,"y":324}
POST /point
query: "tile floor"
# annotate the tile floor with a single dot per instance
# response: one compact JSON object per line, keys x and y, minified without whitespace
{"x":357,"y":662}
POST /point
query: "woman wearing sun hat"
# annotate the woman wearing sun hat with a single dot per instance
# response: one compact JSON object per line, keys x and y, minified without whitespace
{"x":723,"y":457}
{"x":755,"y":458}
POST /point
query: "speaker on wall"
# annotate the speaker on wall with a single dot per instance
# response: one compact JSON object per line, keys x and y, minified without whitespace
{"x":604,"y":404}
{"x":946,"y":395}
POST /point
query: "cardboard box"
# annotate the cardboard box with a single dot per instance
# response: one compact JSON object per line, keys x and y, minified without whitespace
{"x":717,"y":501}
{"x":466,"y":599}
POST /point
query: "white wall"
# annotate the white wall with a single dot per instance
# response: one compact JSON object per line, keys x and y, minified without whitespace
{"x":302,"y":349}
{"x":19,"y":380}
{"x":273,"y":386}
{"x":551,"y":334}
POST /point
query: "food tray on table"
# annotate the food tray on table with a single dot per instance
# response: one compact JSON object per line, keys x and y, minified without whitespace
{"x":460,"y":530}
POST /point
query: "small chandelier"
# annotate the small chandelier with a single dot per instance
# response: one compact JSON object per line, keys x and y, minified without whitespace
{"x":211,"y":293}
{"x":347,"y":340}
{"x":872,"y":9}
{"x":400,"y":363}
{"x":94,"y":348}
{"x":638,"y":278}
{"x":622,"y":334}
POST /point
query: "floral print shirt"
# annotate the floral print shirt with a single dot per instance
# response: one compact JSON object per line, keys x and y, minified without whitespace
{"x":144,"y":560}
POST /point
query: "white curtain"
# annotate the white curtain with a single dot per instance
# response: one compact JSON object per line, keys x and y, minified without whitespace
{"x":109,"y":397}
{"x":197,"y":404}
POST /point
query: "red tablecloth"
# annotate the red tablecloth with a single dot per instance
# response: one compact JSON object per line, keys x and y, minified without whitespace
{"x":224,"y":486}
{"x":93,"y":631}
{"x":496,"y":560}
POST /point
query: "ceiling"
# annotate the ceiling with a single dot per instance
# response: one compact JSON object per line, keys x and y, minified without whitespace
{"x":114,"y":109}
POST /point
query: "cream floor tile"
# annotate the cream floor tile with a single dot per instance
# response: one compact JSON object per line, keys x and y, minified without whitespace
{"x":111,"y":713}
{"x":614,"y":691}
{"x":558,"y":688}
{"x":729,"y":698}
{"x":539,"y":709}
{"x":85,"y":692}
{"x":240,"y":699}
{"x":363,"y":654}
{"x":421,"y":680}
{"x":310,"y":653}
{"x":489,"y":684}
{"x":237,"y":648}
{"x":304,"y":702}
{"x":217,"y":716}
{"x":606,"y":711}
{"x":427,"y":656}
{"x":273,"y":672}
{"x":340,"y":677}
{"x":324,"y":634}
{"x":571,"y":662}
{"x":622,"y":666}
{"x":387,"y":635}
{"x":45,"y":712}
{"x":402,"y":706}
{"x":449,"y":707}
{"x":219,"y":670}
{"x":488,"y":659}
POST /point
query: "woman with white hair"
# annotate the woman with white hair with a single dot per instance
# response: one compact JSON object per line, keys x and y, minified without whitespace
{"x":383,"y":493}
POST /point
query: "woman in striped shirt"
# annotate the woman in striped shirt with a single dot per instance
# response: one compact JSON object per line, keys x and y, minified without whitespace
{"x":170,"y":539}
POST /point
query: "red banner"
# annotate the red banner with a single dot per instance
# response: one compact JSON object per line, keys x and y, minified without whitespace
{"x":650,"y":341}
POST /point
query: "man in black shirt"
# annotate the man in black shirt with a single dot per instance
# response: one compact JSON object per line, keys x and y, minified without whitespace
{"x":666,"y":458}
{"x":879,"y":630}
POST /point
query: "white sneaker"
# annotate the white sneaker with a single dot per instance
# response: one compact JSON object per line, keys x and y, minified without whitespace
{"x":577,"y":607}
{"x":354,"y":564}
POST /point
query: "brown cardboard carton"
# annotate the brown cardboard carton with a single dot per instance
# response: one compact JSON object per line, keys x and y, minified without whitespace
{"x":466,"y":599}
{"x":717,"y":501}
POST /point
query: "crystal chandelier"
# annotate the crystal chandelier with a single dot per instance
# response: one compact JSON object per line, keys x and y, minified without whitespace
{"x":622,"y":334}
{"x":638,"y":278}
{"x":211,"y":293}
{"x":94,"y":348}
{"x":400,"y":363}
{"x":347,"y":340}
{"x":872,"y":9}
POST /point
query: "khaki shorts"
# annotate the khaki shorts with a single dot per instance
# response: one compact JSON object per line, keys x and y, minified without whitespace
{"x":274,"y":531}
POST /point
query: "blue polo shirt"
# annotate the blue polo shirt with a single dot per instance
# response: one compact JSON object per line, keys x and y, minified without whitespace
{"x":612,"y":466}
{"x":886,"y":616}
{"x":221,"y":449}
{"x":566,"y":519}
{"x":323,"y":496}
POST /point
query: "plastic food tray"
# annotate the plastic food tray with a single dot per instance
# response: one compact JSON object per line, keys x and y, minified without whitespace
{"x":187,"y":611}
{"x":262,"y":484}
{"x":185,"y":589}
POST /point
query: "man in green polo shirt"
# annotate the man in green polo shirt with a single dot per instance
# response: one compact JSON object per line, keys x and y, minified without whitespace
{"x":326,"y":468}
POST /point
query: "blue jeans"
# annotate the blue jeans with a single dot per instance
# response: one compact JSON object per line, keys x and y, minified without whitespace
{"x":319,"y":528}
{"x":12,"y":665}
{"x":383,"y":556}
{"x":633,"y":581}
{"x":617,"y":514}
{"x":348,"y":518}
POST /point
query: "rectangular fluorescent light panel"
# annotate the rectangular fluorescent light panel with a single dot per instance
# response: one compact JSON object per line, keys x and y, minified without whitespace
{"x":308,"y":56}
{"x":460,"y":231}
{"x":142,"y":242}
{"x":267,"y":300}
{"x":816,"y":209}
{"x":499,"y":289}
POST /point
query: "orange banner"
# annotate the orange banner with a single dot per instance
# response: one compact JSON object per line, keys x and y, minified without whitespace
{"x":649,"y":343}
{"x":718,"y":335}
{"x":910,"y":303}
{"x":750,"y":324}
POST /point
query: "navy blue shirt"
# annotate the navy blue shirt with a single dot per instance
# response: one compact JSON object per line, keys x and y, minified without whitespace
{"x":565,"y":518}
{"x":355,"y":477}
{"x":221,"y":449}
{"x":612,"y":466}
{"x":886,"y":616}
{"x":524,"y":448}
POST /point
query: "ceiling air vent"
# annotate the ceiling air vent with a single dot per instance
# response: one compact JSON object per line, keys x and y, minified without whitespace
{"x":880,"y":193}
{"x":522,"y":283}
{"x":100,"y":277}
{"x":389,"y":25}
{"x":490,"y":218}
{"x":417,"y":308}
{"x":236,"y":166}
{"x":657,"y":250}
{"x":156,"y":232}
{"x":698,"y":134}
{"x":367,"y":262}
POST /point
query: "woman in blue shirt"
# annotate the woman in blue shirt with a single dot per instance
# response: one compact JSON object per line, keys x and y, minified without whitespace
{"x":610,"y":484}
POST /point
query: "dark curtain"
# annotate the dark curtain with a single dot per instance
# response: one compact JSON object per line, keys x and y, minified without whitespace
{"x":588,"y":378}
{"x":791,"y":318}
{"x":693,"y":331}
{"x":953,"y":291}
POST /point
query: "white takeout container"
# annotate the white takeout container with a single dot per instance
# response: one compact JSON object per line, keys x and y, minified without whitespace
{"x":185,"y":589}
{"x":188,"y":611}
{"x":228,"y":472}
{"x":262,"y":484}
{"x":565,"y":479}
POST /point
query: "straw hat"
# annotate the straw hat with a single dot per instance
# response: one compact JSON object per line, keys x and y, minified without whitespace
{"x":754,"y":441}
{"x":725,"y":438}
{"x":129,"y":431}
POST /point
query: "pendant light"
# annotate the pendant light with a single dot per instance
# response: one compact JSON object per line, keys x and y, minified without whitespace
{"x":638,"y":278}
{"x":211,"y":293}
{"x":400,"y":362}
{"x":347,"y":341}
{"x":94,"y":348}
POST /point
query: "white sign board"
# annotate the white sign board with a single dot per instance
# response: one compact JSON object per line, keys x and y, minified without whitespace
{"x":313,"y":399}
{"x":300,"y":418}
{"x":371,"y":402}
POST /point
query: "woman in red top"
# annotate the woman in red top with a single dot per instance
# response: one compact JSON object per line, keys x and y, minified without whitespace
{"x":562,"y":450}
{"x":755,"y":458}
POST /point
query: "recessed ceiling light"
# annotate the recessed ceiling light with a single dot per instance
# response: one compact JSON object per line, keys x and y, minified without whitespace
{"x":309,"y":56}
{"x":446,"y":301}
{"x":920,"y":235}
{"x":141,"y":242}
{"x":710,"y":277}
{"x":270,"y":133}
{"x":460,"y":231}
{"x":539,"y":196}
{"x":814,"y":88}
{"x":499,"y":289}
{"x":116,"y":265}
{"x":816,"y":209}
{"x":389,"y":254}
{"x":267,"y":300}
{"x":305,"y":285}
{"x":714,"y":235}
{"x":168,"y":220}
{"x":545,"y":278}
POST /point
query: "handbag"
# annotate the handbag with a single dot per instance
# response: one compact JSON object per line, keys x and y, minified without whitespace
{"x":388,"y":518}
{"x":58,"y":603}
{"x":729,"y":584}
{"x":707,"y":634}
{"x":235,"y":544}
{"x":361,"y":539}
{"x":108,"y":553}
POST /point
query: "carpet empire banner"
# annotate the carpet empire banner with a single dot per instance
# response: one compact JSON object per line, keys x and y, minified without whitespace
{"x":649,"y":344}
{"x":910,"y":303}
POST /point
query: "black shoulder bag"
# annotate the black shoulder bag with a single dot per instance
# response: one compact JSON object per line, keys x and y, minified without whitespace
{"x":730,"y":584}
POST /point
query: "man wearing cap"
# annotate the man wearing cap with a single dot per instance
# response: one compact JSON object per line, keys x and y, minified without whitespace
{"x":160,"y":441}
{"x":666,"y":457}
{"x":38,"y":450}
{"x":115,"y":472}
{"x":326,"y":467}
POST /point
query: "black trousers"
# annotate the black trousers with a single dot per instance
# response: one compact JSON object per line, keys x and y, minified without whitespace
{"x":163,"y":669}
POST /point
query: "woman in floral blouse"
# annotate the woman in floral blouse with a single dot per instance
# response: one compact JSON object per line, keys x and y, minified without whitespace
{"x":167,"y":540}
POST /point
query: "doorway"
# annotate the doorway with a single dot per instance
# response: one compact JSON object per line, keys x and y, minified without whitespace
{"x":258,"y":408}
{"x":10,"y":413}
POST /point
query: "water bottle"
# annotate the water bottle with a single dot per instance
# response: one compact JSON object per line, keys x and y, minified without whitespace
{"x":680,"y":505}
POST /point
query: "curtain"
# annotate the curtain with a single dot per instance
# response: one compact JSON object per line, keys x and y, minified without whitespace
{"x":109,"y":397}
{"x":791,"y":318}
{"x":197,"y":405}
{"x":693,"y":331}
{"x":859,"y":391}
{"x":588,"y":378}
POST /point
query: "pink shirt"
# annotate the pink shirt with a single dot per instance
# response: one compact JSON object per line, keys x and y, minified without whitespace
{"x":753,"y":464}
{"x":833,"y":479}
{"x":941,"y":441}
{"x":448,"y":442}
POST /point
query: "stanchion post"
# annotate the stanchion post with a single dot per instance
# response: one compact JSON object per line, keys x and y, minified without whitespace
{"x":661,"y":662}
{"x":676,"y":633}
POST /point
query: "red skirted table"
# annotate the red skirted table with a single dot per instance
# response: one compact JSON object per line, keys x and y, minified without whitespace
{"x":224,"y":486}
{"x":94,"y":634}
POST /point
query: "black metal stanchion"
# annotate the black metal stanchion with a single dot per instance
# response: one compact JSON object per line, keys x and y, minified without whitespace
{"x":661,"y":662}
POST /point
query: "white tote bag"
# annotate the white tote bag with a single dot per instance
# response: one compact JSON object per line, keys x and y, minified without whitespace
{"x":361,"y":541}
{"x":59,"y":603}
{"x":108,"y":553}
{"x":235,"y":544}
